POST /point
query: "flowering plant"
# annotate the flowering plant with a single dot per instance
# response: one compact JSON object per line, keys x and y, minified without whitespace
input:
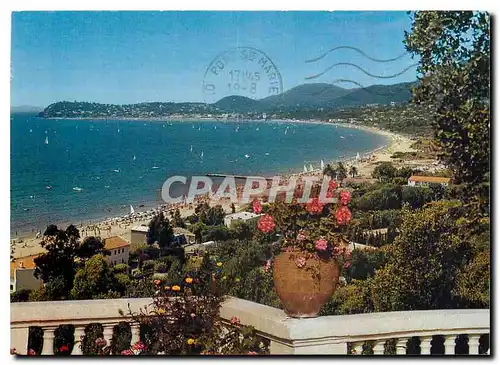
{"x":314,"y":228}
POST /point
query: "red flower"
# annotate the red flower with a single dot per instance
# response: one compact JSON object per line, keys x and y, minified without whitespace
{"x":252,"y":353}
{"x":31,"y":352}
{"x":235,"y":320}
{"x":300,"y":262}
{"x":343,"y":215}
{"x":256,"y":206}
{"x":127,"y":352}
{"x":345,"y":197}
{"x":347,"y":253}
{"x":332,"y":185}
{"x":268,"y":266}
{"x":266,"y":223}
{"x":337,"y":251}
{"x":347,"y":264}
{"x":321,"y":244}
{"x":301,"y":236}
{"x":63,"y":348}
{"x":101,"y":342}
{"x":314,"y":206}
{"x":138,"y":346}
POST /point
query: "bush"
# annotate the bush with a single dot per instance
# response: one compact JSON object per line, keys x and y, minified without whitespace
{"x":148,"y":266}
{"x":387,"y":197}
{"x":21,"y":295}
{"x":120,"y":269}
{"x":161,"y":267}
{"x":350,"y":299}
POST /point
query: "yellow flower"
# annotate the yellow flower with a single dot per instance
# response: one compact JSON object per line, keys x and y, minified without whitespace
{"x":219,"y":264}
{"x":167,"y":288}
{"x":237,"y":280}
{"x":224,"y":278}
{"x":176,"y":288}
{"x":190,"y":341}
{"x":161,"y":311}
{"x":189,"y":280}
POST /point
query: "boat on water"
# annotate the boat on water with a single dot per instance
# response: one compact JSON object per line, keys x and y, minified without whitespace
{"x":47,"y":140}
{"x":247,"y":156}
{"x":116,"y":170}
{"x":48,"y":187}
{"x":191,"y":149}
{"x":132,"y":211}
{"x":305,"y":168}
{"x":267,"y":153}
{"x":311,"y":168}
{"x":133,"y":159}
{"x":201,"y":154}
{"x":322,"y":165}
{"x":155,"y":167}
{"x":342,"y":137}
{"x":76,"y":188}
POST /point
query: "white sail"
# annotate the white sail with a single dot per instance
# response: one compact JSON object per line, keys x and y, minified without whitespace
{"x":305,"y":168}
{"x":357,"y":156}
{"x":132,"y":211}
{"x":311,"y":168}
{"x":133,"y":158}
{"x":191,"y":150}
{"x":322,"y":165}
{"x":201,"y":154}
{"x":47,"y":140}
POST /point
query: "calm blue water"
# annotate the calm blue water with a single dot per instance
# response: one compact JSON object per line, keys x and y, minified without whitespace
{"x":86,"y":153}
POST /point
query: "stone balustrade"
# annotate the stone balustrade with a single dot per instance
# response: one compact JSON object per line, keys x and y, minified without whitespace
{"x":434,"y":331}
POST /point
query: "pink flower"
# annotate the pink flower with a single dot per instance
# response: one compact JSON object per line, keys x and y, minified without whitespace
{"x":332,"y":185}
{"x":266,"y":223}
{"x":337,"y":251}
{"x":345,"y":197}
{"x":101,"y":342}
{"x":347,"y":264}
{"x":138,"y":346}
{"x":268,"y":266}
{"x":321,"y":244}
{"x":235,"y":320}
{"x":31,"y":352}
{"x":343,"y":215}
{"x":301,"y":236}
{"x":300,"y":262}
{"x":127,"y":352}
{"x":252,"y":353}
{"x":347,"y":253}
{"x":256,"y":206}
{"x":314,"y":206}
{"x":193,"y":315}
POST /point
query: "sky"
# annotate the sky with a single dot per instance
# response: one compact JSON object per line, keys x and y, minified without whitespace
{"x":130,"y":56}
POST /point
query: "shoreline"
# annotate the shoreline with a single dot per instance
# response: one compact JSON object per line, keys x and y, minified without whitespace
{"x":120,"y":225}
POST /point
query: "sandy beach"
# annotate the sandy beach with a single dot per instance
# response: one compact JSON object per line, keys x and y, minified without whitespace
{"x":29,"y":243}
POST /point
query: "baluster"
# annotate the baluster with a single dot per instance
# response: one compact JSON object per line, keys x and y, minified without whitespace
{"x":79,"y":332}
{"x":401,"y":346}
{"x":378,"y":349}
{"x":136,"y":333}
{"x":358,"y":348}
{"x":449,"y":344}
{"x":474,"y":344}
{"x":107,"y":332}
{"x":425,"y":345}
{"x":48,"y":341}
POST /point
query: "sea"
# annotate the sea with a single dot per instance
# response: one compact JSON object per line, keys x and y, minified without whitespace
{"x":76,"y":171}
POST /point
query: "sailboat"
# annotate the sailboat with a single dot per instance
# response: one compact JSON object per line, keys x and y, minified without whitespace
{"x":47,"y":140}
{"x":322,"y":165}
{"x":311,"y":168}
{"x":132,"y":211}
{"x":305,"y":168}
{"x":133,"y":159}
{"x":357,"y":156}
{"x":201,"y":154}
{"x":191,"y":149}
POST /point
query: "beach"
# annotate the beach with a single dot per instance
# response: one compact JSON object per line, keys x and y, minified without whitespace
{"x":28,"y":243}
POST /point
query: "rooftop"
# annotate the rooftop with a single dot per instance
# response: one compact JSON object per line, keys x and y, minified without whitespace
{"x":115,"y":242}
{"x":430,"y":179}
{"x":26,"y":262}
{"x":242,"y":215}
{"x":141,"y":228}
{"x":184,"y":231}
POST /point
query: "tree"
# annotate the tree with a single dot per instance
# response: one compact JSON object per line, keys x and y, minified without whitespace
{"x":57,"y":265}
{"x":340,"y":172}
{"x":160,"y":231}
{"x":91,"y":246}
{"x":329,"y":171}
{"x":94,"y":278}
{"x":384,"y":172}
{"x":353,"y":171}
{"x":177,"y":220}
{"x":454,"y":84}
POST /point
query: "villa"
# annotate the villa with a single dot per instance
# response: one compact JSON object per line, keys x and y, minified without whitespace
{"x":247,"y":217}
{"x":119,"y":250}
{"x":22,"y":274}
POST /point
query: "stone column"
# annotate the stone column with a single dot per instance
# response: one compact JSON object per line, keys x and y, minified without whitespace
{"x":378,"y":349}
{"x":48,"y":341}
{"x":449,"y":344}
{"x":79,"y":332}
{"x":136,"y":333}
{"x":401,"y":346}
{"x":425,"y":345}
{"x":474,"y":344}
{"x":107,"y":332}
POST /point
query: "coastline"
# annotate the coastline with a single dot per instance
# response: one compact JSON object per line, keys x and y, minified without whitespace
{"x":27,"y":244}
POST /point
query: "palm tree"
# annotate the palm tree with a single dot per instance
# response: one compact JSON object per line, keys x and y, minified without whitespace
{"x":329,"y":171}
{"x":340,"y":172}
{"x":353,"y":171}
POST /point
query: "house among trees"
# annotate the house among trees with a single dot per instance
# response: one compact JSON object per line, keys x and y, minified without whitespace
{"x":119,"y":250}
{"x":428,"y":180}
{"x":246,"y":217}
{"x":138,"y":236}
{"x":21,"y":274}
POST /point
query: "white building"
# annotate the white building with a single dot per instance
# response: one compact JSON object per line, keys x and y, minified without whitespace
{"x":247,"y":217}
{"x":428,"y":180}
{"x":22,"y":274}
{"x":119,"y":250}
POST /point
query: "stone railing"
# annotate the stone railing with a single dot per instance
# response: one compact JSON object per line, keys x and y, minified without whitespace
{"x":334,"y":335}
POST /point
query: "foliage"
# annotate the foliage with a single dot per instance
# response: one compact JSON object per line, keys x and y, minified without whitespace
{"x":384,"y":172}
{"x":21,"y":295}
{"x":120,"y":268}
{"x":386,"y":198}
{"x":210,"y":216}
{"x":177,"y":220}
{"x":91,"y":246}
{"x":160,"y":231}
{"x":349,"y":299}
{"x":454,"y":73}
{"x":93,"y":279}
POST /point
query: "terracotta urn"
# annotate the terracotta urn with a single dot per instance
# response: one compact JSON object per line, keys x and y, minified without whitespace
{"x":303,"y":290}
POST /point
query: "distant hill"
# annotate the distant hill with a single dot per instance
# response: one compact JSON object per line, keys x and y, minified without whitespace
{"x":26,"y":109}
{"x":302,"y":98}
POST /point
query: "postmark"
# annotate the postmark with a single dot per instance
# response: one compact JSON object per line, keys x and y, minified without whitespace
{"x":243,"y":71}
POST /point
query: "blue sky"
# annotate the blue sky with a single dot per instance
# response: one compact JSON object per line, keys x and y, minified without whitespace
{"x":128,"y":57}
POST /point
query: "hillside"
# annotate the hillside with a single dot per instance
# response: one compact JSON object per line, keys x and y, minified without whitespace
{"x":302,"y":98}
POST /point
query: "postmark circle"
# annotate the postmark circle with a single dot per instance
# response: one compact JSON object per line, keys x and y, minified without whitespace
{"x":243,"y":71}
